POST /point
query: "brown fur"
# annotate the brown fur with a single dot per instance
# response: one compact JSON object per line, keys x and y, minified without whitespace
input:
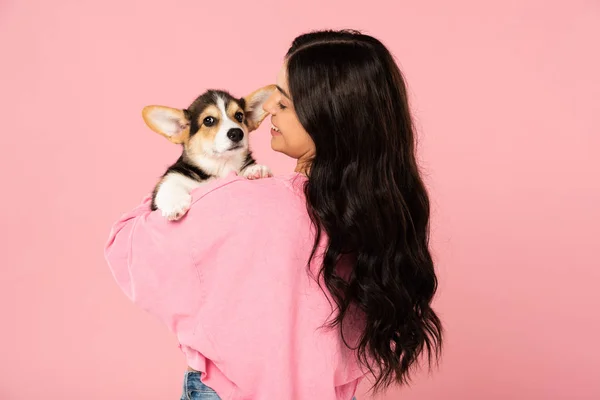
{"x":254,"y":125}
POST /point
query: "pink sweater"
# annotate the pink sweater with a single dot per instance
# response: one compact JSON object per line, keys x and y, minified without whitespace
{"x":230,"y":280}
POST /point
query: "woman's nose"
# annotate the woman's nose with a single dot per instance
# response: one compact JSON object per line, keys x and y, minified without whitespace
{"x":269,"y":105}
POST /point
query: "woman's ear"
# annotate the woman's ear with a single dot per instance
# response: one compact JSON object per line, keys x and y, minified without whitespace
{"x":172,"y":123}
{"x":254,"y":102}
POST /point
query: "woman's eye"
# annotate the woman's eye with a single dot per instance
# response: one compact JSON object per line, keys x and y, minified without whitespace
{"x":209,"y":121}
{"x":281,"y":106}
{"x":239,"y":116}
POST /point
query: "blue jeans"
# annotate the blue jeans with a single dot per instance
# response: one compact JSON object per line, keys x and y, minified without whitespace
{"x":194,"y":389}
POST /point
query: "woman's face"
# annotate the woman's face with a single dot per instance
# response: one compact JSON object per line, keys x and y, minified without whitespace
{"x":288,"y":135}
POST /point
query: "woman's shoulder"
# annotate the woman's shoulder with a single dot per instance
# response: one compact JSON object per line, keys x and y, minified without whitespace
{"x":238,"y":189}
{"x":249,"y":205}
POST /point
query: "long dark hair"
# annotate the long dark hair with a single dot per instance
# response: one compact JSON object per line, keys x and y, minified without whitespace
{"x":365,"y":191}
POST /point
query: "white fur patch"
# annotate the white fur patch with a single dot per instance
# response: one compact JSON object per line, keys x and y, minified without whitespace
{"x":222,"y":142}
{"x":257,"y":171}
{"x":173,"y":196}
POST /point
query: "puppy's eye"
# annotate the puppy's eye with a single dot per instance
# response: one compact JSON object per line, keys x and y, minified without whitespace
{"x":209,"y":121}
{"x":239,"y":116}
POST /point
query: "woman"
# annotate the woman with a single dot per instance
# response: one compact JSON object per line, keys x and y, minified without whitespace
{"x":295,"y":287}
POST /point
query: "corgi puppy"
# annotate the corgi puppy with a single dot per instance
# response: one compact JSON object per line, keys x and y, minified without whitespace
{"x":213,"y":132}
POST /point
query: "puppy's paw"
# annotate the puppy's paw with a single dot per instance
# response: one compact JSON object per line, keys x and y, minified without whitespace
{"x":173,"y":204}
{"x":257,"y":171}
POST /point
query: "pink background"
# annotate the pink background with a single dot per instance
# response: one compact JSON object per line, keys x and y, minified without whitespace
{"x":505,"y":95}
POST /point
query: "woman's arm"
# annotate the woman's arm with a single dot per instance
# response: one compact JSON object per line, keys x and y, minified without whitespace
{"x":150,"y":259}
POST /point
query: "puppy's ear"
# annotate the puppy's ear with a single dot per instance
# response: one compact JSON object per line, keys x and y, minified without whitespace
{"x":172,"y":123}
{"x":254,"y":102}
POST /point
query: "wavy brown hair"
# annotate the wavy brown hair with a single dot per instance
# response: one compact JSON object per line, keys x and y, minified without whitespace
{"x":366,"y":193}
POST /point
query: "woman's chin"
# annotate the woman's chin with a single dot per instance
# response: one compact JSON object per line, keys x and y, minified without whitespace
{"x":276,"y":144}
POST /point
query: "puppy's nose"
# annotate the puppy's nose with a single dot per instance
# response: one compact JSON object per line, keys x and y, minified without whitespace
{"x":235,"y":134}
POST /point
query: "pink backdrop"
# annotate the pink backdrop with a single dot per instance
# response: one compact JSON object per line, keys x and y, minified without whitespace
{"x":505,"y":95}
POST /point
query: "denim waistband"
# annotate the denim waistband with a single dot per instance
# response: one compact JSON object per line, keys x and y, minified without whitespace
{"x":194,"y":389}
